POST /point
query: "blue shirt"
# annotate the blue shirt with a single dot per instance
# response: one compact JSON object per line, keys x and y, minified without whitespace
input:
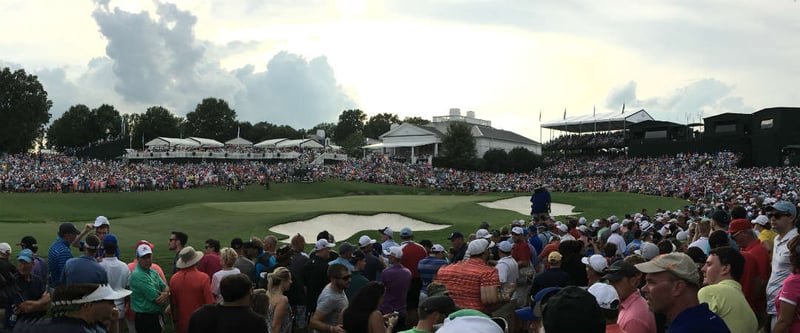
{"x":84,"y":269}
{"x":57,"y":258}
{"x":536,"y":242}
{"x":428,"y":268}
{"x":698,"y":318}
{"x":539,"y":202}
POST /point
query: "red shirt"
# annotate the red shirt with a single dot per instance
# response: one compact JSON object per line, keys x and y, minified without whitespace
{"x":521,"y":252}
{"x":412,"y":254}
{"x":190,"y":289}
{"x":760,"y":266}
{"x":210,"y":264}
{"x":465,"y":279}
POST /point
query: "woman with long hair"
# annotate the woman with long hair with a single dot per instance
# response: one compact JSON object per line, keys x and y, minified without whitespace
{"x":227,"y":256}
{"x":362,"y":314}
{"x":279,"y":314}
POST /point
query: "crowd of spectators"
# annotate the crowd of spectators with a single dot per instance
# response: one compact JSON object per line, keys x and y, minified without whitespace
{"x":709,"y":178}
{"x":591,"y":140}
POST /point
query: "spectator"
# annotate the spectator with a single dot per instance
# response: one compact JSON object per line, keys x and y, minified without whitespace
{"x":634,"y":315}
{"x":59,"y":253}
{"x":85,"y":269}
{"x":472,"y":283}
{"x":150,"y":295}
{"x":786,"y":305}
{"x":429,"y":266}
{"x":190,"y":288}
{"x":211,"y":262}
{"x":723,"y":294}
{"x":315,"y":273}
{"x":332,"y":301}
{"x":177,"y":241}
{"x":362,"y":315}
{"x":228,"y":259}
{"x":233,"y":314}
{"x":39,"y":266}
{"x":783,"y":215}
{"x":118,"y":272}
{"x":432,"y":311}
{"x":79,"y":308}
{"x":279,"y":314}
{"x":397,"y":281}
{"x":31,"y":300}
{"x":560,"y":313}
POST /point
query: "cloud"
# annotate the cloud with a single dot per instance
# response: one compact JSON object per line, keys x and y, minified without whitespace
{"x":699,"y":99}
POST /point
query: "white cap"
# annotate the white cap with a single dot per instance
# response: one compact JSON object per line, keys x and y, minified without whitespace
{"x":468,"y":320}
{"x":596,"y":223}
{"x":761,"y":219}
{"x":597,"y":262}
{"x":100,"y":220}
{"x":682,"y":236}
{"x":505,"y":246}
{"x":323,"y":243}
{"x":483,"y":233}
{"x":563,"y":227}
{"x":5,"y":248}
{"x":647,"y":250}
{"x":437,"y":248}
{"x":606,"y":295}
{"x":143,"y":250}
{"x":645,"y":226}
{"x":614,"y":227}
{"x":394,"y":251}
{"x":365,"y":240}
{"x":582,"y":220}
{"x":613,"y":218}
{"x":478,"y":246}
{"x":516,"y":230}
{"x":102,"y":293}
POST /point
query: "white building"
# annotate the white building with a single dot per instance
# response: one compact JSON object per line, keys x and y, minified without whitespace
{"x":413,"y":142}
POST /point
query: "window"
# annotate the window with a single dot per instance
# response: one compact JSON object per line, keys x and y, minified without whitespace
{"x":725,"y":128}
{"x":766,"y":123}
{"x":658,"y":134}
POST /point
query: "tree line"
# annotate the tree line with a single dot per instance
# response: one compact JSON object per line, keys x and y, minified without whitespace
{"x":25,"y":113}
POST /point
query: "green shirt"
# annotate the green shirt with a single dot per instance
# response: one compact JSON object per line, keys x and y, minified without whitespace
{"x":146,"y":285}
{"x":414,"y":330}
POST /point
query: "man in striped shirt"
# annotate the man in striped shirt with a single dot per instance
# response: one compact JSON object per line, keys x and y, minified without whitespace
{"x":60,"y":252}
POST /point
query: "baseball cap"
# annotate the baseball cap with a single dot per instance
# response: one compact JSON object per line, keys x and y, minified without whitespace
{"x":677,"y":263}
{"x":67,"y":228}
{"x":535,"y":311}
{"x":582,"y":220}
{"x":386,"y":231}
{"x":597,"y":262}
{"x":322,"y":244}
{"x":394,"y":251}
{"x":606,"y":295}
{"x":5,"y":248}
{"x":739,"y":225}
{"x":143,"y":250}
{"x":563,"y":227}
{"x":110,"y":239}
{"x":455,"y":235}
{"x":615,"y":226}
{"x":357,"y":255}
{"x":554,"y":257}
{"x":406,"y":232}
{"x":647,"y":250}
{"x":483,"y":233}
{"x":441,"y":304}
{"x":786,"y":207}
{"x":365,"y":240}
{"x":102,"y":293}
{"x":645,"y":226}
{"x":620,"y":269}
{"x":25,"y":255}
{"x":469,"y":320}
{"x":517,"y":231}
{"x":28,"y":242}
{"x":478,"y":246}
{"x":437,"y":248}
{"x":505,"y":246}
{"x":100,"y":220}
{"x":151,"y":245}
{"x":761,"y":219}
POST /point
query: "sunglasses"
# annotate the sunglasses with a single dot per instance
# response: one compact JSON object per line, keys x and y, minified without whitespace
{"x":777,"y":215}
{"x":345,"y":278}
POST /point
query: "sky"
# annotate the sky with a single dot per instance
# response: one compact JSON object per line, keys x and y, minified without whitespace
{"x":301,"y":62}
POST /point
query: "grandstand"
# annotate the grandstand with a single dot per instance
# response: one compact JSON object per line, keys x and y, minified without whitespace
{"x":764,"y":138}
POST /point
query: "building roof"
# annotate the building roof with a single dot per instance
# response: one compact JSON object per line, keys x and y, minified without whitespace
{"x":171,"y":142}
{"x":238,"y":142}
{"x":609,"y":121}
{"x":499,"y":134}
{"x":207,"y":143}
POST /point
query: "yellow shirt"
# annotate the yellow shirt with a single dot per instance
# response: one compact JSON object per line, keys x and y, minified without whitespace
{"x":726,"y":299}
{"x":766,"y":235}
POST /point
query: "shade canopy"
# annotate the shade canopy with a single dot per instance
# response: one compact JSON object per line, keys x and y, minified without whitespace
{"x":601,"y":122}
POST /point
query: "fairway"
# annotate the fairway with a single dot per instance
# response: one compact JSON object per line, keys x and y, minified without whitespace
{"x":215,"y":213}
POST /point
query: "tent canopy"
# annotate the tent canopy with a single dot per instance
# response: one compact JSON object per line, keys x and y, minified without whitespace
{"x":207,"y":143}
{"x":268,"y":143}
{"x":609,"y":121}
{"x":171,"y":142}
{"x":238,"y":142}
{"x":416,"y":143}
{"x":301,"y":143}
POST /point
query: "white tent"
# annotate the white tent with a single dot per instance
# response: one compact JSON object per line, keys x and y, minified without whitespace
{"x":171,"y":142}
{"x":207,"y":143}
{"x":609,"y":121}
{"x":238,"y":142}
{"x":300,"y":143}
{"x":268,"y":143}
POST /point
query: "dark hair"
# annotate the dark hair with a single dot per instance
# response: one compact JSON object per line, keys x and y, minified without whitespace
{"x":235,"y":287}
{"x":738,"y":212}
{"x":729,"y":256}
{"x":697,"y":254}
{"x":355,"y":317}
{"x":559,"y":312}
{"x":92,"y":243}
{"x":609,"y":250}
{"x":63,"y":294}
{"x":213,"y":243}
{"x":664,"y":246}
{"x":718,"y":238}
{"x":334,"y":270}
{"x":182,"y":237}
{"x":110,"y":248}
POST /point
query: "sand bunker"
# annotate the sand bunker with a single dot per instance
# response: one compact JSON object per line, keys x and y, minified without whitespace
{"x":344,"y":226}
{"x":522,"y":205}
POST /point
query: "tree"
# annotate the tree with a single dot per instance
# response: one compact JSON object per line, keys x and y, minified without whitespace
{"x":416,"y":121}
{"x":75,"y":128}
{"x":352,"y":145}
{"x":379,"y":124}
{"x":108,"y":122}
{"x":156,"y":121}
{"x":24,"y":110}
{"x":350,"y":122}
{"x":458,"y":145}
{"x":212,"y":119}
{"x":496,"y":160}
{"x":523,"y":160}
{"x":329,"y":129}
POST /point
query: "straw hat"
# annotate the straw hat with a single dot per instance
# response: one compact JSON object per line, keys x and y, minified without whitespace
{"x":188,"y":257}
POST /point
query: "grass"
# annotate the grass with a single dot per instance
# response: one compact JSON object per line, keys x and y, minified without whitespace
{"x":215,"y":213}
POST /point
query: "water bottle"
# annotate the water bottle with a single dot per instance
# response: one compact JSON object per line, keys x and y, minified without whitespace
{"x":12,"y":320}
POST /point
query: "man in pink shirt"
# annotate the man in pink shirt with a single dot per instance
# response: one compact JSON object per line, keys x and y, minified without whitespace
{"x":190,"y":288}
{"x":211,"y":262}
{"x":634,"y":314}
